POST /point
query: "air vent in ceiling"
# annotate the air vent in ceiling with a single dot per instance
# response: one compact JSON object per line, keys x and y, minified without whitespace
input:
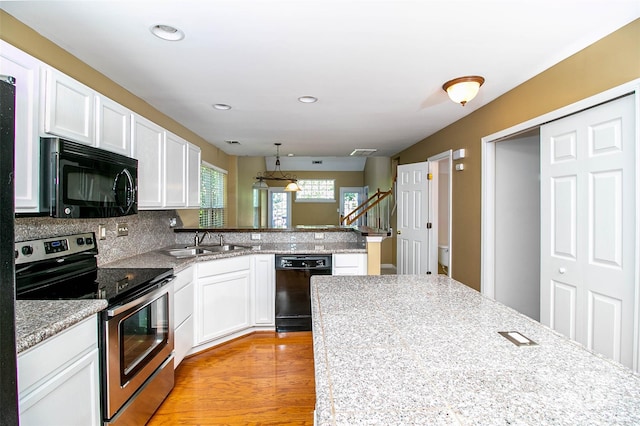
{"x":233,"y":142}
{"x":316,"y":162}
{"x":362,"y":152}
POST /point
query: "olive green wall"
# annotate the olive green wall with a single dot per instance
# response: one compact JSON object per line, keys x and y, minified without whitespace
{"x":21,"y":36}
{"x":608,"y":63}
{"x":377,"y":175}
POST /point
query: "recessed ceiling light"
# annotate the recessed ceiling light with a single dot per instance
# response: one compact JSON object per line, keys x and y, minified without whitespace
{"x":167,"y":32}
{"x":222,"y":107}
{"x":307,"y":99}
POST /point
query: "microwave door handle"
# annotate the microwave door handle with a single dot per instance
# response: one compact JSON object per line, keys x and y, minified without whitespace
{"x":130,"y":189}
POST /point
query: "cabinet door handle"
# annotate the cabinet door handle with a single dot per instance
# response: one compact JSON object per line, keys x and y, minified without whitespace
{"x":562,"y":270}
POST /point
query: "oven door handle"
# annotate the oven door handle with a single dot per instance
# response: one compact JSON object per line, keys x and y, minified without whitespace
{"x":142,"y":300}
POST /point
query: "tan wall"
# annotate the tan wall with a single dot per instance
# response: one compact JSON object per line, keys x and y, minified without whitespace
{"x":301,"y":213}
{"x":612,"y":61}
{"x":377,"y":175}
{"x":24,"y":38}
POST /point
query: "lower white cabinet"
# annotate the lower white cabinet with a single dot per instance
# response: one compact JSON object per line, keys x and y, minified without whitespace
{"x":349,"y":264}
{"x":223,"y":298}
{"x":264,"y":289}
{"x":58,"y":380}
{"x":183,"y":314}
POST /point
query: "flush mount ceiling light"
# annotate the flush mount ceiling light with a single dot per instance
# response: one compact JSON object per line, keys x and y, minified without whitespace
{"x":222,"y":107}
{"x":276,"y":175}
{"x":167,"y":32}
{"x":307,"y":99}
{"x":461,"y":90}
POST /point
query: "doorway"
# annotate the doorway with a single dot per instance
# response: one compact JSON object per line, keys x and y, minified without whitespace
{"x":350,"y":198}
{"x":279,"y":208}
{"x":511,"y":166}
{"x":445,"y":209}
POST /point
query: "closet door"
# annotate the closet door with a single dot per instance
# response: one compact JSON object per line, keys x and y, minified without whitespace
{"x":588,"y":228}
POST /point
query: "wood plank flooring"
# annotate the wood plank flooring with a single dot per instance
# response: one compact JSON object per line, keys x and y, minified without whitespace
{"x":264,"y":378}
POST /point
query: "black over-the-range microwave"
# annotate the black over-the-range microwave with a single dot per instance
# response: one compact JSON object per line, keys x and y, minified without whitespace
{"x":80,"y":181}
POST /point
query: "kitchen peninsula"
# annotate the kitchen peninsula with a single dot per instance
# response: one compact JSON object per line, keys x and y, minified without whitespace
{"x":427,"y":350}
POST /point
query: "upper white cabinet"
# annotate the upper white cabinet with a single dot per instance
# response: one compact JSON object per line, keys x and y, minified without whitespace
{"x":68,"y":108}
{"x":193,"y":176}
{"x":113,"y":126}
{"x":26,"y":70}
{"x":148,"y":147}
{"x":175,"y":176}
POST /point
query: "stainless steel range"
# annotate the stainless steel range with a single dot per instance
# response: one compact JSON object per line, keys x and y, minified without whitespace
{"x":136,"y":329}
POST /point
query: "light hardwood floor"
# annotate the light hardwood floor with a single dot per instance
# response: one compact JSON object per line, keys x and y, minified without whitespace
{"x":264,"y":378}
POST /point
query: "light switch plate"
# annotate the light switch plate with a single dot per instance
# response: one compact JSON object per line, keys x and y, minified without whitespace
{"x":122,"y":229}
{"x":102,"y":232}
{"x":255,"y":236}
{"x":318,"y":235}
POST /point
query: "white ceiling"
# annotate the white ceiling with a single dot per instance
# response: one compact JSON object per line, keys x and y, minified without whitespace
{"x":377,"y":67}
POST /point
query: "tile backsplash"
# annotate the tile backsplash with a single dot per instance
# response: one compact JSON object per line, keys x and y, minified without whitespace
{"x":148,"y":230}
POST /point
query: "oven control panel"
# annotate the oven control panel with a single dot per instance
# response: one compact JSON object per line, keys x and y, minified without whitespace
{"x":53,"y":247}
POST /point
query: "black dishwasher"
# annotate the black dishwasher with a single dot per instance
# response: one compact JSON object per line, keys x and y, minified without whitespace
{"x":293,"y":293}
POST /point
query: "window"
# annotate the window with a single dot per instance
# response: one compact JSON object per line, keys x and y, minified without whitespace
{"x":213,"y":194}
{"x":316,"y":190}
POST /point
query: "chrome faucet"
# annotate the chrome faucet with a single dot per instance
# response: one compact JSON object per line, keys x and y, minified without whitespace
{"x":197,"y":240}
{"x":221,"y":239}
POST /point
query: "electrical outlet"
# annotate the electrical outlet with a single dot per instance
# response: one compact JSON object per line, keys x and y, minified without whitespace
{"x":318,"y":236}
{"x":255,"y":236}
{"x":102,"y":232}
{"x":122,"y":229}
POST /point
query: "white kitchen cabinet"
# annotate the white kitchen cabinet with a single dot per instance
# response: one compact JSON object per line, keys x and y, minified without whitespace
{"x":175,"y":173}
{"x":264,"y":289}
{"x":26,"y":70}
{"x":58,"y":379}
{"x":349,"y":264}
{"x":68,"y":108}
{"x":223,"y":298}
{"x":113,"y":126}
{"x":148,"y":142}
{"x":193,"y":176}
{"x":183,"y":314}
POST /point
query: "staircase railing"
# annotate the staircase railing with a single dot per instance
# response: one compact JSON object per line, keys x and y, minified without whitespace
{"x":376,"y":208}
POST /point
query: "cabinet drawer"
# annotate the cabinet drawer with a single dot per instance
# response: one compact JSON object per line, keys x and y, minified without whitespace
{"x":46,"y":358}
{"x":223,"y":266}
{"x":183,"y":278}
{"x":183,"y":304}
{"x":183,"y":340}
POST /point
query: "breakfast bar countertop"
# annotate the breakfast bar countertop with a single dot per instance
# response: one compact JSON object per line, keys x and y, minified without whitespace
{"x":427,"y":350}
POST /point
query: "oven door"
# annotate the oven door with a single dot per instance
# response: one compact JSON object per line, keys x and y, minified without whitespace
{"x":138,"y":339}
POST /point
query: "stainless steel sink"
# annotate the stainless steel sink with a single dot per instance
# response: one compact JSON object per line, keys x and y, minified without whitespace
{"x":225,"y":247}
{"x":192,"y":251}
{"x":188,"y":252}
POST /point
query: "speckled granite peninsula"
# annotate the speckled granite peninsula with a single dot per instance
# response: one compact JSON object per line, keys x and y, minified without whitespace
{"x":426,"y":350}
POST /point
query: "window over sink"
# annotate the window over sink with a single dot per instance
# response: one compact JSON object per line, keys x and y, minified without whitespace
{"x":213,"y":196}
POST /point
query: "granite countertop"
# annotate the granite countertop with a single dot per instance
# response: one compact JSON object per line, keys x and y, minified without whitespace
{"x":37,"y":320}
{"x":162,"y":258}
{"x":426,"y":350}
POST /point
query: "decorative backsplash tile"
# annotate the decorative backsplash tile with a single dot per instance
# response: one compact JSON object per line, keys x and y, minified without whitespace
{"x":148,"y":230}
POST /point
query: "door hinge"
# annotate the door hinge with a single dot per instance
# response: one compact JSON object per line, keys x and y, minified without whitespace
{"x":429,"y":176}
{"x":429,"y":225}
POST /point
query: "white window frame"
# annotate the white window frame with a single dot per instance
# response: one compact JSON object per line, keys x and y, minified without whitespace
{"x":317,"y":200}
{"x":225,"y":207}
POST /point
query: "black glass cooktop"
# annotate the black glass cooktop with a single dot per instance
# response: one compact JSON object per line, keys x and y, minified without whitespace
{"x":112,"y":284}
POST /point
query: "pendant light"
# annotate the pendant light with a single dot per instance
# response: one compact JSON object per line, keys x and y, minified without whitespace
{"x":276,"y":175}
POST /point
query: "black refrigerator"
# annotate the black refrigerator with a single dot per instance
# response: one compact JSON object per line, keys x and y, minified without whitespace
{"x":8,"y":371}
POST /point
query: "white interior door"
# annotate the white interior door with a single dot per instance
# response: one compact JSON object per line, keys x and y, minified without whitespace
{"x":588,"y":228}
{"x":417,"y":239}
